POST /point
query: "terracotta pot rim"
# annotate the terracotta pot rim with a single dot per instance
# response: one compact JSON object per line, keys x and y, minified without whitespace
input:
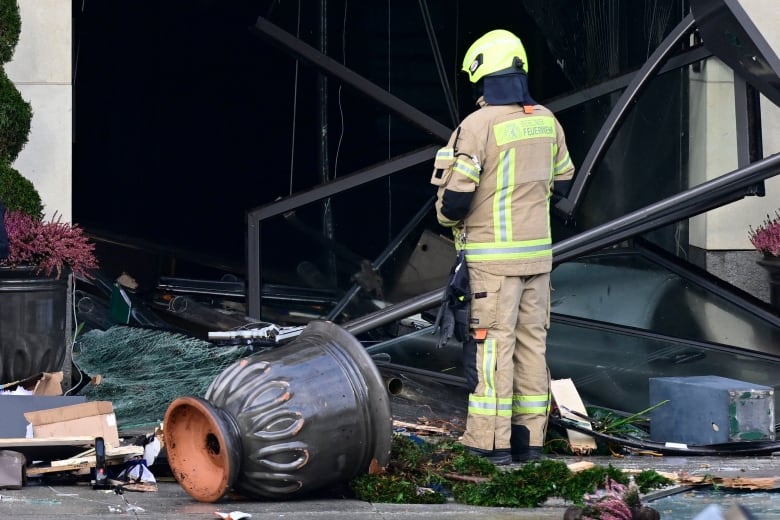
{"x":202,"y":446}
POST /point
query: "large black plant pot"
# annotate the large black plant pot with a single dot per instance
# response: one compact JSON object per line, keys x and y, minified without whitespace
{"x":283,"y":422}
{"x":32,"y":323}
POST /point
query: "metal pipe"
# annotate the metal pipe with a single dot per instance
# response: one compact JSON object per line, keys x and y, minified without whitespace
{"x":394,"y":312}
{"x":705,"y":196}
{"x":684,"y":205}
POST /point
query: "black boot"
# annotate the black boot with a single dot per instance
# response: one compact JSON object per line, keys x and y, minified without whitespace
{"x":521,"y":451}
{"x":497,"y":457}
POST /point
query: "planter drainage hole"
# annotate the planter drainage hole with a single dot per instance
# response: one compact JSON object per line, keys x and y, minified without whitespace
{"x":212,"y":444}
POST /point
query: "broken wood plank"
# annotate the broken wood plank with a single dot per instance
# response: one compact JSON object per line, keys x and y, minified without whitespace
{"x":89,"y":456}
{"x":41,"y":470}
{"x":11,"y":442}
{"x":70,"y":465}
{"x":421,"y":427}
{"x":568,"y":400}
{"x":576,"y":467}
{"x":46,"y":449}
{"x":466,"y":478}
{"x":753,"y":483}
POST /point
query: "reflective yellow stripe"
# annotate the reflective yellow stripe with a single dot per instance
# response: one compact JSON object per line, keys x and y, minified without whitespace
{"x":483,"y":251}
{"x":531,"y":403}
{"x":504,"y":407}
{"x":445,"y":153}
{"x":563,"y":165}
{"x":524,"y":128}
{"x":502,"y":200}
{"x":466,"y":168}
{"x":487,"y":403}
{"x":481,"y":405}
{"x":488,"y":366}
{"x":488,"y":406}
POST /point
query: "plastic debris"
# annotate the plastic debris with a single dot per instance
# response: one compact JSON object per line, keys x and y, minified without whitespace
{"x":233,"y":515}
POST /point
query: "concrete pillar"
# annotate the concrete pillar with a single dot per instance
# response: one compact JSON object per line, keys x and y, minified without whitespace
{"x":719,"y":238}
{"x":41,"y":69}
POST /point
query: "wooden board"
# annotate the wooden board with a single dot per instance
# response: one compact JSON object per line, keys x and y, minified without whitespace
{"x":88,"y":457}
{"x":86,"y":460}
{"x":46,"y":449}
{"x":567,"y":398}
{"x":745,"y":481}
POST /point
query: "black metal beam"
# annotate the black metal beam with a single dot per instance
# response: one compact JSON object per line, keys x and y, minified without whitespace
{"x":694,"y":201}
{"x":708,"y":195}
{"x":729,"y":32}
{"x":437,"y":59}
{"x":256,"y":216}
{"x":565,"y":207}
{"x":394,"y":244}
{"x":585,"y":95}
{"x":701,"y":277}
{"x":310,"y":55}
{"x":394,"y":312}
{"x":345,"y":183}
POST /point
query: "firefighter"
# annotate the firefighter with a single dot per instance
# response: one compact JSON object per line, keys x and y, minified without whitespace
{"x":495,"y":179}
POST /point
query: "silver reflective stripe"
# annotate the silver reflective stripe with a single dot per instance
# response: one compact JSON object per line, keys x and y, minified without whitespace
{"x":502,"y":204}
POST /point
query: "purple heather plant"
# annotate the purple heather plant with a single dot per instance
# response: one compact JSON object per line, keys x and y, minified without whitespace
{"x":766,"y":237}
{"x":608,"y":504}
{"x":49,"y":246}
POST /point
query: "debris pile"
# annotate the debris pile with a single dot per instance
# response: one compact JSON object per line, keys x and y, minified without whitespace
{"x":429,"y":472}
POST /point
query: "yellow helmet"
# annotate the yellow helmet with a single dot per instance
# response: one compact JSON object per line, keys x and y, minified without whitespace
{"x":494,"y":52}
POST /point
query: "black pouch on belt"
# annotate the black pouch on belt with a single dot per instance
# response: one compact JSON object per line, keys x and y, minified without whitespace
{"x":454,"y":312}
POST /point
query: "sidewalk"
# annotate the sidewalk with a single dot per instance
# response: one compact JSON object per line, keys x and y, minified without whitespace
{"x":170,"y":502}
{"x":39,"y":500}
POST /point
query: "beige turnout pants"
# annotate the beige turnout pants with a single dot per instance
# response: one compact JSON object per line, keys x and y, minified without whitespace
{"x":512,"y":380}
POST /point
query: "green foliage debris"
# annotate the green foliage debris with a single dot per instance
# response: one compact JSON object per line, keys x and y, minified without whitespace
{"x":430,"y":472}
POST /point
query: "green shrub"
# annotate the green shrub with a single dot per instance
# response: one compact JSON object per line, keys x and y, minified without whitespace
{"x":18,"y":193}
{"x":10,"y":27}
{"x":15,"y":117}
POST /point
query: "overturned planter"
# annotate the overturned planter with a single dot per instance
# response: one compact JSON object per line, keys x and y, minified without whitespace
{"x":283,"y":422}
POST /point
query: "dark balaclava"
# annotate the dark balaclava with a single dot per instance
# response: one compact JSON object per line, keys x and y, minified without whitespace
{"x":507,"y":89}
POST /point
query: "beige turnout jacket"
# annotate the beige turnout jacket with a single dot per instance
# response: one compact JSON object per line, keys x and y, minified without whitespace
{"x":507,"y":159}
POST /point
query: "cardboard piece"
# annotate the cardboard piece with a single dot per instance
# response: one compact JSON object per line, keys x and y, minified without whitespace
{"x":44,"y":383}
{"x":13,"y":408}
{"x":94,"y":419}
{"x":568,"y":399}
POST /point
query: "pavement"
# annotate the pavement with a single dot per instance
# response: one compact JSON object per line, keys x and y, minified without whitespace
{"x":41,"y":499}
